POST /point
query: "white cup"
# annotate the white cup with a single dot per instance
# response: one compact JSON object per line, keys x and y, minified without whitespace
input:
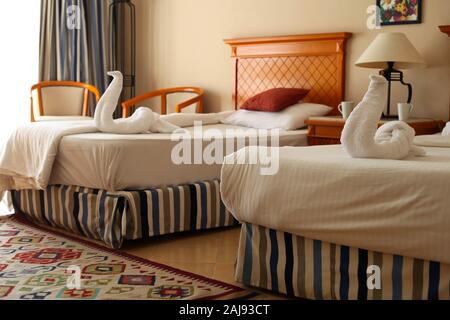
{"x":404,"y":111}
{"x":346,"y":108}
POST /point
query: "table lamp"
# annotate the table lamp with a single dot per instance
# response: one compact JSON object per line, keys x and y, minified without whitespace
{"x":390,"y":51}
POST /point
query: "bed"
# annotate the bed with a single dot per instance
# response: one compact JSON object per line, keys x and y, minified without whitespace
{"x":313,"y":229}
{"x":139,"y":162}
{"x":115,"y":188}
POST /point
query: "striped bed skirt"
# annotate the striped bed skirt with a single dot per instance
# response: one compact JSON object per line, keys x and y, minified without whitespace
{"x":311,"y":269}
{"x":113,"y":217}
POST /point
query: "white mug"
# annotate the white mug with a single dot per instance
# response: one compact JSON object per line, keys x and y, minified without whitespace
{"x":346,"y":108}
{"x":404,"y":111}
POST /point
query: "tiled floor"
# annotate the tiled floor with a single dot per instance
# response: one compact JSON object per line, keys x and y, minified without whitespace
{"x":211,"y":253}
{"x":208,"y":253}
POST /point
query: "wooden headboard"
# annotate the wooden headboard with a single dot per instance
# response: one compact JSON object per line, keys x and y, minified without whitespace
{"x":315,"y":62}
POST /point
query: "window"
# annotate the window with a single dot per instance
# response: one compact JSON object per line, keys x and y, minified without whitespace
{"x":19,"y":61}
{"x":19,"y":64}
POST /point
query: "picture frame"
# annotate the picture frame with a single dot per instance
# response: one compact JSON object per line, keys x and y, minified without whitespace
{"x":398,"y":12}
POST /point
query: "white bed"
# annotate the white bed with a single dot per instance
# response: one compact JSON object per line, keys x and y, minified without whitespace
{"x":123,"y":162}
{"x":395,"y":207}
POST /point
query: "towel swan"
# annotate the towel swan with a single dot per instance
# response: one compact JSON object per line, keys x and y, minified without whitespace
{"x":142,"y":121}
{"x":446,"y":131}
{"x":360,"y":137}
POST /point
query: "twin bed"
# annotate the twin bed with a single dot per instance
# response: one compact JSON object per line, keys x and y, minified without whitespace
{"x":127,"y":187}
{"x":330,"y":227}
{"x":116,"y":187}
{"x":311,"y":231}
{"x":314,"y":229}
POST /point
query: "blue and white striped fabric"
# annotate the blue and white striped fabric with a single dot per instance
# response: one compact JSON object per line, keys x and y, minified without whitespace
{"x":114,"y":217}
{"x":312,"y":269}
{"x":75,"y":54}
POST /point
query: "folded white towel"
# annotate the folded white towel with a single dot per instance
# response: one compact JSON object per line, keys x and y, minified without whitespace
{"x":361,"y":138}
{"x":188,"y":119}
{"x":143,"y":119}
{"x":446,"y":131}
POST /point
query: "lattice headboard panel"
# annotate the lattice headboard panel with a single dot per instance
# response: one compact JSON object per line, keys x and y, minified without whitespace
{"x":315,"y":62}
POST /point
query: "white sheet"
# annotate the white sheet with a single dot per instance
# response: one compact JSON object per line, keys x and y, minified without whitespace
{"x":436,"y":140}
{"x":26,"y":160}
{"x":396,"y":207}
{"x":117,"y":162}
{"x":185,"y":120}
{"x":291,"y":118}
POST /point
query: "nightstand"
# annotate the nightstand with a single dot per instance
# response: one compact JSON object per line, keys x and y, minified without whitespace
{"x":328,"y":130}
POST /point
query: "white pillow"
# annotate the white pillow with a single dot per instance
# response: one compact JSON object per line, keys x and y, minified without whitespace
{"x":291,"y":118}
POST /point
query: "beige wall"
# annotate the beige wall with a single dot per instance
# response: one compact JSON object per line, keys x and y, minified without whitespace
{"x":180,"y":43}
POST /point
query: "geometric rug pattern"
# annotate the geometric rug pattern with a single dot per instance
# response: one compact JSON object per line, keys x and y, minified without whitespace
{"x":41,"y":264}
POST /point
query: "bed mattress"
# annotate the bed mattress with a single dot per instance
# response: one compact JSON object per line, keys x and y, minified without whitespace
{"x":136,"y":162}
{"x":395,"y":207}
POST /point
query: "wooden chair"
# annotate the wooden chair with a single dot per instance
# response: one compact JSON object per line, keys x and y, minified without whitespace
{"x":56,"y":100}
{"x":163,"y":93}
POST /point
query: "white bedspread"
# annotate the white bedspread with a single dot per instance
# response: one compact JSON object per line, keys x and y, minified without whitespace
{"x":396,"y":207}
{"x":27,"y":158}
{"x":75,"y":153}
{"x":436,"y":140}
{"x":118,"y":162}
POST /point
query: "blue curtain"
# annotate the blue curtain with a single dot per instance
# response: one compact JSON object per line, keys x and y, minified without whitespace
{"x":74,"y":42}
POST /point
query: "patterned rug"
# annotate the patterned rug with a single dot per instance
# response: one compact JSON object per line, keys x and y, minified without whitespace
{"x":41,"y":264}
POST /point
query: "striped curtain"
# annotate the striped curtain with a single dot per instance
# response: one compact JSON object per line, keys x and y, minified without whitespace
{"x":74,"y":42}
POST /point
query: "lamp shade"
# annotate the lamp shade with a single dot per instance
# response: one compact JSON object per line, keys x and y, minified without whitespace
{"x":391,"y":47}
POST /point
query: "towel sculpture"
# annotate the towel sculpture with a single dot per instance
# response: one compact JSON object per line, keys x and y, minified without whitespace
{"x":361,"y":138}
{"x":143,"y":119}
{"x":446,"y":131}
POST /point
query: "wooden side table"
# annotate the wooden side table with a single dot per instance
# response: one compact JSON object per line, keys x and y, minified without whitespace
{"x":328,"y":130}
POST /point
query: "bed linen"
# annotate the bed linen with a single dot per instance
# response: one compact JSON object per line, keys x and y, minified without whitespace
{"x":115,"y":207}
{"x":120,"y":162}
{"x":26,"y":160}
{"x":291,"y":118}
{"x":389,"y":206}
{"x":313,"y":269}
{"x":28,"y":157}
{"x":113,"y":217}
{"x":435,"y":140}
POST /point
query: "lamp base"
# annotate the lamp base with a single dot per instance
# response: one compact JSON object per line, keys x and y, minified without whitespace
{"x":393,"y":75}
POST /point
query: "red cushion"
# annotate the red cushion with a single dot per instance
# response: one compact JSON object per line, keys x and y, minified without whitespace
{"x":275,"y":100}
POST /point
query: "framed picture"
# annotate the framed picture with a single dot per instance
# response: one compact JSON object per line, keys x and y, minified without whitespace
{"x":394,"y":12}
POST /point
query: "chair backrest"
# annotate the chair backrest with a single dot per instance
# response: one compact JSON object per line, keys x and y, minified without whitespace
{"x":61,"y":98}
{"x":163,"y":93}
